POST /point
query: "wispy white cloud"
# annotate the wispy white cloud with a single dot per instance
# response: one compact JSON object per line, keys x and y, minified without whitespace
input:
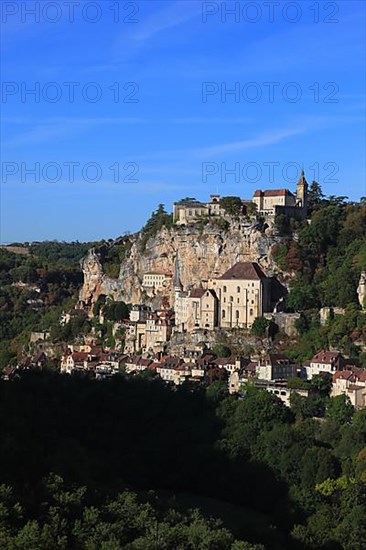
{"x":175,"y":14}
{"x":56,"y":128}
{"x":255,"y":142}
{"x":172,"y":16}
{"x":295,"y":127}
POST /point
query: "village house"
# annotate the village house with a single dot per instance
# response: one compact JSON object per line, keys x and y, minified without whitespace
{"x":158,"y":329}
{"x":74,"y":361}
{"x":79,"y":360}
{"x":135,"y":336}
{"x":198,"y":372}
{"x":174,"y":369}
{"x":239,"y":378}
{"x":137,"y":363}
{"x":275,"y":366}
{"x":324,"y":362}
{"x":150,"y":332}
{"x":111,"y":361}
{"x":231,"y":364}
{"x":351,"y":382}
{"x":139,"y":313}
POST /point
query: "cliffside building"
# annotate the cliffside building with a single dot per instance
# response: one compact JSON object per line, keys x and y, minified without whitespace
{"x":243,"y":293}
{"x":197,"y":308}
{"x":233,"y":300}
{"x":158,"y":330}
{"x":191,"y":210}
{"x":272,"y":202}
{"x":156,"y":279}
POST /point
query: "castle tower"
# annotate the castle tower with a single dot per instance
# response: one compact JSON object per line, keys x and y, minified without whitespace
{"x":302,"y":191}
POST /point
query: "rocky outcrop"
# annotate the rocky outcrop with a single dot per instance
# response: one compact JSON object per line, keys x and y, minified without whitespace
{"x":361,"y":290}
{"x":195,"y":254}
{"x":96,"y":283}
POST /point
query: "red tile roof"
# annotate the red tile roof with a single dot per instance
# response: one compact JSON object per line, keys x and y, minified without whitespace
{"x":273,"y":193}
{"x":352,"y":374}
{"x":244,"y":270}
{"x":225,"y":361}
{"x":326,"y":357}
{"x":197,"y":292}
{"x":79,"y":356}
{"x":275,"y":359}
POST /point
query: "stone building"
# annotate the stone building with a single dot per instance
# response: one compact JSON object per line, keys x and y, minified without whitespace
{"x":243,"y":293}
{"x":197,"y":308}
{"x":324,"y":362}
{"x":233,"y":300}
{"x":272,"y":202}
{"x":191,"y":210}
{"x":158,"y":330}
{"x":135,"y":336}
{"x":139,"y":313}
{"x":275,"y":366}
{"x":268,"y":200}
{"x":202,"y":306}
{"x":352,"y":383}
{"x":156,"y":279}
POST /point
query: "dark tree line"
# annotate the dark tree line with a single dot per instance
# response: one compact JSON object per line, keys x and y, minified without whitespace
{"x":290,"y":474}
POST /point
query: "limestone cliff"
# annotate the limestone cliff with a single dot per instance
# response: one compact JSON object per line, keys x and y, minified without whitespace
{"x":194,"y":253}
{"x":361,"y":290}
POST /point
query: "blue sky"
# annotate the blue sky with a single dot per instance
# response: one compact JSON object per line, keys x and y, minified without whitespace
{"x":149,"y":88}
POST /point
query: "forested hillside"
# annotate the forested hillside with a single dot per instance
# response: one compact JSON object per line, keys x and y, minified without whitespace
{"x":70,"y":449}
{"x":34,"y":289}
{"x":325,"y":259}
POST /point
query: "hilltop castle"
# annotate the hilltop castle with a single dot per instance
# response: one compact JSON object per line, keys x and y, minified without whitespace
{"x":271,"y":202}
{"x":274,"y":202}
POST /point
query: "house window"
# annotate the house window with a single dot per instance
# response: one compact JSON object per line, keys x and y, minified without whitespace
{"x":223,"y":314}
{"x":237,"y":314}
{"x":231,"y":299}
{"x":238,"y":300}
{"x":250,"y":312}
{"x":238,"y":289}
{"x":224,"y":289}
